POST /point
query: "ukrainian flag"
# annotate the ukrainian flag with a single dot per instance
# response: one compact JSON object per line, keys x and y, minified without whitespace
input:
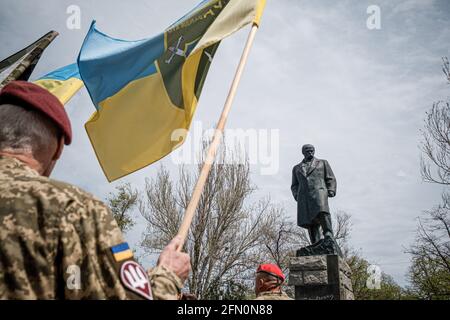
{"x":144,"y":90}
{"x":122,"y":252}
{"x":63,"y":82}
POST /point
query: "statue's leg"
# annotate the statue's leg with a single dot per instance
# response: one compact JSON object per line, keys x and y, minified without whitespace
{"x":314,"y":233}
{"x":325,"y":222}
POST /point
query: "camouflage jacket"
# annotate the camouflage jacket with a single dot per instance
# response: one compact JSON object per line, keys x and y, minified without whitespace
{"x":273,"y":296}
{"x":59,"y":242}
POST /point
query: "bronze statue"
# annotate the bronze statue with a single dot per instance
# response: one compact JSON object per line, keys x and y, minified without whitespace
{"x":313,"y":182}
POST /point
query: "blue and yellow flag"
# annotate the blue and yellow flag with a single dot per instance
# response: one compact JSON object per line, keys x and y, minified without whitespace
{"x":63,"y":82}
{"x":122,"y":252}
{"x":145,"y":90}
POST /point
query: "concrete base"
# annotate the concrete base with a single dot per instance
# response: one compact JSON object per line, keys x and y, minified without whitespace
{"x":320,"y":277}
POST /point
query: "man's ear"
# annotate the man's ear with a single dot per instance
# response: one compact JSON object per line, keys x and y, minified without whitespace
{"x":49,"y":168}
{"x":59,"y":150}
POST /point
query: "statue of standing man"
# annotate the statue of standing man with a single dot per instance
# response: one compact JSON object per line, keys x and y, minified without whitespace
{"x":313,"y":182}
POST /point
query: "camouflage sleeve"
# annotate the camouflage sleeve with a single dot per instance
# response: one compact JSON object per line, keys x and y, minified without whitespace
{"x":89,"y":239}
{"x":89,"y":269}
{"x":165,"y":284}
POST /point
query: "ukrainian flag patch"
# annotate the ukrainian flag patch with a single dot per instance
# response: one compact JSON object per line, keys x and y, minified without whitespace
{"x":122,"y":252}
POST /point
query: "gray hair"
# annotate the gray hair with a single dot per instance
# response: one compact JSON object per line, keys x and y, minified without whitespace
{"x":26,"y":130}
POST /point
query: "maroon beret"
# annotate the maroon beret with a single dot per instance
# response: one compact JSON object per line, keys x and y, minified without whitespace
{"x":29,"y":95}
{"x":271,"y":269}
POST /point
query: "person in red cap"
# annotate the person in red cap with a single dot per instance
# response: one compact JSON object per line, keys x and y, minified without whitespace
{"x":268,"y":282}
{"x":58,"y":241}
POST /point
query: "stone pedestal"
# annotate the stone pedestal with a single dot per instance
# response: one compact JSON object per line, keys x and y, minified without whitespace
{"x":320,"y":277}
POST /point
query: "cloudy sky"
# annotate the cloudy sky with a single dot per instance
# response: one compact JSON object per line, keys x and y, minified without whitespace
{"x":317,"y":74}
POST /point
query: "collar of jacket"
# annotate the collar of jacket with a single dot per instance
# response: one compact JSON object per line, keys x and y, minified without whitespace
{"x":11,"y":163}
{"x":312,"y":166}
{"x":272,"y":293}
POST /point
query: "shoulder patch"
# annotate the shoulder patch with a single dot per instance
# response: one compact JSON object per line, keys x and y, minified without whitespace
{"x":122,"y":252}
{"x":134,"y":277}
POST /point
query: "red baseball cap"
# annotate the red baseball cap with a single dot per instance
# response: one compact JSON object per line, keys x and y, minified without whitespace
{"x":272,"y":269}
{"x":32,"y":96}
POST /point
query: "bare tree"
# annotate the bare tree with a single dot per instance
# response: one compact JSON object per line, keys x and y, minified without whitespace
{"x":342,"y":227}
{"x":121,"y":203}
{"x":435,"y":165}
{"x":281,"y":238}
{"x":430,"y":270}
{"x":225,"y":234}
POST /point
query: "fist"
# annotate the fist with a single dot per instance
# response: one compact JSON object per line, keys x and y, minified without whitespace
{"x":331,"y":194}
{"x":178,"y":262}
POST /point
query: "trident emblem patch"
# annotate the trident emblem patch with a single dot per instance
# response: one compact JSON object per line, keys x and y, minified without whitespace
{"x":135,"y":278}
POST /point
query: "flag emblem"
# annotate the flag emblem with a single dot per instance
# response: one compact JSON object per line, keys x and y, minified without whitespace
{"x":176,"y":51}
{"x":122,"y":252}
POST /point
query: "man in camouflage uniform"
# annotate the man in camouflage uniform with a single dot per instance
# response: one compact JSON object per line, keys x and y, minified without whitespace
{"x":56,"y":240}
{"x":269,"y":279}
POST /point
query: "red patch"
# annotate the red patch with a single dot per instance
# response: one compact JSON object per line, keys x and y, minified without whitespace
{"x":135,"y":278}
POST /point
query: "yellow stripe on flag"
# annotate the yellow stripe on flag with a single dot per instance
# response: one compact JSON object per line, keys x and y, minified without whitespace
{"x":123,"y":255}
{"x":134,"y":127}
{"x":64,"y":90}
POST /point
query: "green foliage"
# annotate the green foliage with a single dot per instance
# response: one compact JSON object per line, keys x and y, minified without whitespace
{"x":121,"y":203}
{"x":429,"y":273}
{"x":429,"y":280}
{"x":389,"y":290}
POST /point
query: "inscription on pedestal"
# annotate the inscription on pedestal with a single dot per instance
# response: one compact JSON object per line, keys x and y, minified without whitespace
{"x":321,"y":277}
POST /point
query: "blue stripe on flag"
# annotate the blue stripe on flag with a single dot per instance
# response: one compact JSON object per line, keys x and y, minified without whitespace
{"x":64,"y":73}
{"x":118,"y":61}
{"x":120,"y":247}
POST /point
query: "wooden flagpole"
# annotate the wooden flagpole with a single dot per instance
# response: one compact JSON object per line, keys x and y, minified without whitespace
{"x":212,"y":150}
